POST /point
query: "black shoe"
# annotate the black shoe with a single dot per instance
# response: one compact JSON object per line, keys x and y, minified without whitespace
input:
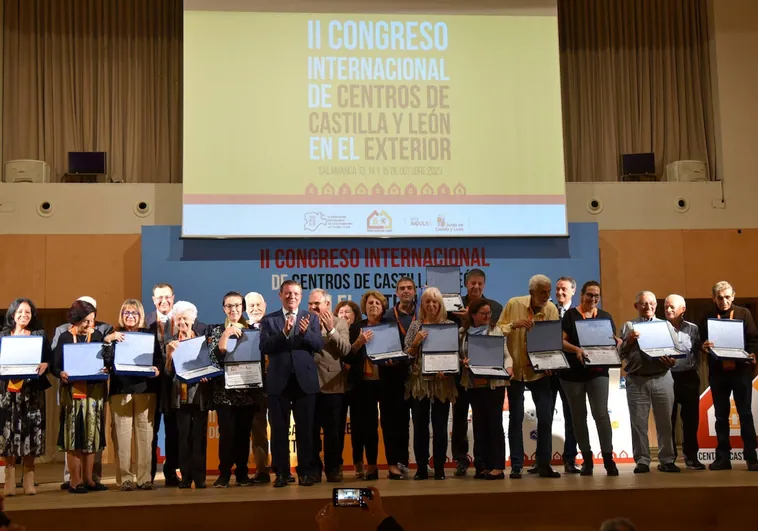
{"x":172,"y":480}
{"x":79,"y":489}
{"x":334,"y":478}
{"x":420,"y":475}
{"x":96,"y":487}
{"x":305,"y":481}
{"x":611,"y":469}
{"x":280,"y":481}
{"x":398,"y":477}
{"x":534,"y":469}
{"x":243,"y":481}
{"x":752,"y":466}
{"x":641,"y":469}
{"x":515,"y":473}
{"x":501,"y":475}
{"x":439,"y":474}
{"x":461,"y":468}
{"x":185,"y":484}
{"x":65,"y":485}
{"x":569,"y":467}
{"x":548,"y":472}
{"x":694,"y":464}
{"x":261,"y":479}
{"x":587,"y":468}
{"x":668,"y":467}
{"x":290,"y":477}
{"x":720,"y":464}
{"x":373,"y":476}
{"x":317,"y":478}
{"x":221,"y":483}
{"x":481,"y":474}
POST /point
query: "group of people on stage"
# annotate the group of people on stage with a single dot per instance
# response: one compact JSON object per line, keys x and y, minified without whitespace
{"x":317,"y":368}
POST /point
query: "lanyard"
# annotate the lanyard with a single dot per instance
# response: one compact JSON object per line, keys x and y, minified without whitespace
{"x":75,"y":333}
{"x":731,"y":315}
{"x":593,"y":316}
{"x":399,"y":324}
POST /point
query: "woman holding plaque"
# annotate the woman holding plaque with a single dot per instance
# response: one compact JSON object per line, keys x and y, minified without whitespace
{"x":132,"y":400}
{"x":364,"y":380}
{"x":581,"y":382}
{"x":235,"y":408}
{"x":191,"y":402}
{"x":428,"y":393}
{"x":486,"y":395}
{"x":82,"y":410}
{"x":22,"y":402}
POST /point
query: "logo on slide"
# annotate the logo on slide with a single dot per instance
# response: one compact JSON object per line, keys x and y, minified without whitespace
{"x":314,"y":220}
{"x":379,"y":221}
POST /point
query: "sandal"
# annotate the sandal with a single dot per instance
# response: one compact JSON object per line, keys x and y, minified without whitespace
{"x":79,"y":489}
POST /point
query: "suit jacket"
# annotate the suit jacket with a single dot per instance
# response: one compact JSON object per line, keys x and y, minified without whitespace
{"x":331,"y":377}
{"x":290,"y":355}
{"x":103,"y":328}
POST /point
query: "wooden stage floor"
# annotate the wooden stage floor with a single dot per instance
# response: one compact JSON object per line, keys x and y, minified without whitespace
{"x":689,"y":500}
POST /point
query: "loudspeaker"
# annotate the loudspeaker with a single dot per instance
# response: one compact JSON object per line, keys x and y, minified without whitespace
{"x":142,"y":209}
{"x":681,"y":205}
{"x":45,"y":209}
{"x":594,"y":206}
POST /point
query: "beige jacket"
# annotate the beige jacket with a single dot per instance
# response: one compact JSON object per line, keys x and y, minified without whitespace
{"x":331,"y":377}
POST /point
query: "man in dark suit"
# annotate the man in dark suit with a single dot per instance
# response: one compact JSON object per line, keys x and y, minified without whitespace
{"x":290,"y":338}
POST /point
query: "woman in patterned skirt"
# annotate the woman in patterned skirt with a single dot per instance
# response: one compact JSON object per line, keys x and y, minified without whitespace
{"x":22,"y":402}
{"x":82,"y":430}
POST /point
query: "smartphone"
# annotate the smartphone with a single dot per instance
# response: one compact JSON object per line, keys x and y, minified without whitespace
{"x":351,"y":497}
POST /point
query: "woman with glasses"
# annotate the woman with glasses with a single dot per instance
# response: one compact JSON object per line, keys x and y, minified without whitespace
{"x":351,"y":313}
{"x":132,"y":400}
{"x":82,"y":410}
{"x":235,"y":408}
{"x":581,"y":382}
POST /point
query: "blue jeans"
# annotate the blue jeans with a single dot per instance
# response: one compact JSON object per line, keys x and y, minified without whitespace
{"x":542,"y":396}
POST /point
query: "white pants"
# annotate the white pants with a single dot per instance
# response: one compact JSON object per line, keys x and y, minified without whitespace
{"x":132,"y":420}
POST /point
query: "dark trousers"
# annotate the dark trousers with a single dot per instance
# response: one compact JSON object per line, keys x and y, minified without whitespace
{"x":364,"y":421}
{"x":459,"y":435}
{"x":192,"y":425}
{"x":260,"y":433}
{"x":171,"y":450}
{"x":542,"y":397}
{"x":234,"y":426}
{"x":569,"y":442}
{"x":346,"y":398}
{"x":440,"y":412}
{"x":293,"y":400}
{"x":487,"y":418}
{"x":327,"y":418}
{"x":687,"y":397}
{"x":738,"y":382}
{"x":395,"y":413}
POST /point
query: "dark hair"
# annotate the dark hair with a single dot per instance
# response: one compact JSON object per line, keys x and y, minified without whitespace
{"x":233,"y":294}
{"x":568,"y":279}
{"x":474,"y":273}
{"x":290,"y":283}
{"x":473,"y":309}
{"x":589,"y":284}
{"x":353,"y":306}
{"x":78,"y":311}
{"x":10,"y":321}
{"x":163,"y":285}
{"x":405,"y":279}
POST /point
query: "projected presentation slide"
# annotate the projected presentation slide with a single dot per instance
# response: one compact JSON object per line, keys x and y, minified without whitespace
{"x":380,"y":125}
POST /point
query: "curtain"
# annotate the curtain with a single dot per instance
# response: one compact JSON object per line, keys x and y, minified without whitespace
{"x":635,"y":79}
{"x":94,"y":75}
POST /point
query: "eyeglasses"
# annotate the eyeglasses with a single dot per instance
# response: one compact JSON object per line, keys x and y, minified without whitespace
{"x":164,"y":297}
{"x":232,"y":306}
{"x":130,"y":314}
{"x":594,"y":296}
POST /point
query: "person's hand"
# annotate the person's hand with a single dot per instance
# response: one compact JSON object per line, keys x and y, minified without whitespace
{"x":547,"y":373}
{"x":461,"y":313}
{"x":509,"y":370}
{"x":707,"y":346}
{"x":41,"y":368}
{"x":465,"y":362}
{"x":288,"y":324}
{"x":156,"y":372}
{"x":631,"y":337}
{"x":304,"y":323}
{"x":441,"y":375}
{"x":232,"y":331}
{"x":327,"y":519}
{"x":105,"y":370}
{"x":115,"y":336}
{"x":420,"y":337}
{"x":375,"y":508}
{"x":64,"y":377}
{"x":524,"y":323}
{"x":171,"y":347}
{"x":203,"y":380}
{"x":668,"y":361}
{"x":751,"y":359}
{"x":582,"y":356}
{"x":327,"y":319}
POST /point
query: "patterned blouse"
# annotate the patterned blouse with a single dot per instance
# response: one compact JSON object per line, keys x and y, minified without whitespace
{"x":221,"y":395}
{"x":420,"y":386}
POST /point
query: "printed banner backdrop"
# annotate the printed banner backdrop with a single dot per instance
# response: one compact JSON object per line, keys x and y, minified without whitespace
{"x":201,"y":271}
{"x":706,"y":433}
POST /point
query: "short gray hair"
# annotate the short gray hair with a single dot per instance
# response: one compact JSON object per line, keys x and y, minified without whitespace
{"x":722,"y":285}
{"x":642,"y":294}
{"x":617,"y":524}
{"x":182,"y":307}
{"x":327,"y":296}
{"x":539,"y":280}
{"x":251,"y":295}
{"x":678,"y":298}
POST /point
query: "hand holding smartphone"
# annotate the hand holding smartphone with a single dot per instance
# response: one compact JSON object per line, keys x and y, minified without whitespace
{"x":351,"y":497}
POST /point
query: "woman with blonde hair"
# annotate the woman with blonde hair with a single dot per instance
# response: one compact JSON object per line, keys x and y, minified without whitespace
{"x":428,"y":393}
{"x":132,"y":400}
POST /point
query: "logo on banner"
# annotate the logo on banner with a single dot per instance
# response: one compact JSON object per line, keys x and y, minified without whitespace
{"x":379,"y":221}
{"x":706,"y":433}
{"x":314,"y":220}
{"x":444,"y":225}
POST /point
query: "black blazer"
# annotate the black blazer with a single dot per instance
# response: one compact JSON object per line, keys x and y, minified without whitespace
{"x":293,"y":354}
{"x":133,"y":385}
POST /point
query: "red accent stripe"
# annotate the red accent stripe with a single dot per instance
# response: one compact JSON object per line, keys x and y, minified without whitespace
{"x":277,"y":199}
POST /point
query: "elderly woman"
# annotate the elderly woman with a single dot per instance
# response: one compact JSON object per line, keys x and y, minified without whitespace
{"x":486,"y":395}
{"x":235,"y":407}
{"x":191,"y":402}
{"x":426,"y":393}
{"x":132,"y":400}
{"x":82,"y":411}
{"x":22,"y":402}
{"x":350,"y":312}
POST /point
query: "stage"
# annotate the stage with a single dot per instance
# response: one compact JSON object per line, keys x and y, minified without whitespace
{"x":655,"y":501}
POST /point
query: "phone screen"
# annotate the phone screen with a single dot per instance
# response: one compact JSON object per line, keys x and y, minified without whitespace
{"x":350,"y":497}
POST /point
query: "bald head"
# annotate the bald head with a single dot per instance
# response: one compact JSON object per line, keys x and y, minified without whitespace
{"x":674,"y":307}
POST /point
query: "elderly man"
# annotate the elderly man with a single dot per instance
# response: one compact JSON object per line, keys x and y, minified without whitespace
{"x":648,"y":383}
{"x":517,"y":317}
{"x":256,"y":308}
{"x":686,"y":380}
{"x":332,"y":379}
{"x":732,"y":377}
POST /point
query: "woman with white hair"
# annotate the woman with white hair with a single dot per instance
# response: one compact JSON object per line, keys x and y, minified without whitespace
{"x":435,"y":392}
{"x":192,"y":402}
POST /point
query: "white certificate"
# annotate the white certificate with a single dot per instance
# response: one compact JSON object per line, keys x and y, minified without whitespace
{"x":453,"y":303}
{"x":434,"y":363}
{"x":548,"y":361}
{"x":243,"y":375}
{"x":602,"y":357}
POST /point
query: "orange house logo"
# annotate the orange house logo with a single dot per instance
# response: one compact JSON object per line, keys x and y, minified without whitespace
{"x":379,"y":221}
{"x":706,"y":433}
